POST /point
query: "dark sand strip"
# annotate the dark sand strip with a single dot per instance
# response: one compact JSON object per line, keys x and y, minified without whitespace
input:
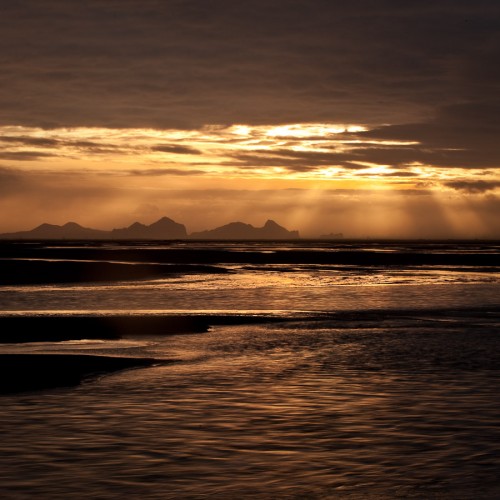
{"x":413,"y":253}
{"x":20,"y":329}
{"x":38,"y":272}
{"x":59,"y":328}
{"x":32,"y":372}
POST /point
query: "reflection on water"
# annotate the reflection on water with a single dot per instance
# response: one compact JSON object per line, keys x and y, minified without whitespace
{"x":303,"y":296}
{"x":384,"y":386}
{"x":265,"y":286}
{"x":281,"y":411}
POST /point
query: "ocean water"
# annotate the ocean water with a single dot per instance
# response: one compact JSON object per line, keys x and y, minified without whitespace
{"x":378,"y":380}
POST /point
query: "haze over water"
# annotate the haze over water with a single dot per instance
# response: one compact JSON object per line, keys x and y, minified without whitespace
{"x":379,"y":381}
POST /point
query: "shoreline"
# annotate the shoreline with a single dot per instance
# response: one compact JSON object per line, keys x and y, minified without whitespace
{"x":15,"y":271}
{"x":34,"y":372}
{"x":22,"y":329}
{"x":18,"y":327}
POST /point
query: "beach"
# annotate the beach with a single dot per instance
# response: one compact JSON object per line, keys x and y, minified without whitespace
{"x":291,"y":373}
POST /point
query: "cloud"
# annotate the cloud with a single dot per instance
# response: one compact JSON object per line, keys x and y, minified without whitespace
{"x":462,"y":135}
{"x":30,"y":141}
{"x":24,"y":155}
{"x":473,"y":187}
{"x":400,"y":173}
{"x":177,"y":149}
{"x":290,"y":160}
{"x":427,"y":71}
{"x":183,"y":64}
{"x":154,"y":172}
{"x":97,"y":77}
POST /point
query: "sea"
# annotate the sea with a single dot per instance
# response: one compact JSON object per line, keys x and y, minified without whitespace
{"x":329,"y":370}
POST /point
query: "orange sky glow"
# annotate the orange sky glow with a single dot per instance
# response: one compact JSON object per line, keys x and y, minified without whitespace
{"x":146,"y":173}
{"x":115,"y":113}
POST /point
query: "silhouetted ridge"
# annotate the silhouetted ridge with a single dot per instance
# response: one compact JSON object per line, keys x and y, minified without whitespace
{"x":72,"y":225}
{"x":166,"y":224}
{"x":70,"y":230}
{"x":274,"y":230}
{"x":241,"y":231}
{"x":46,"y":227}
{"x":162,"y":229}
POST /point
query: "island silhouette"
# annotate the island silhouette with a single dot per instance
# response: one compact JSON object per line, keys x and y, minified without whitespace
{"x":163,"y":229}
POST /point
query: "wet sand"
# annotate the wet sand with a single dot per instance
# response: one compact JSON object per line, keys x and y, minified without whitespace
{"x":38,"y":272}
{"x":19,"y":329}
{"x":204,"y":258}
{"x":30,"y":372}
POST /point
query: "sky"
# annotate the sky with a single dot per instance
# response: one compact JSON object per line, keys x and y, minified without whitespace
{"x":367,"y":118}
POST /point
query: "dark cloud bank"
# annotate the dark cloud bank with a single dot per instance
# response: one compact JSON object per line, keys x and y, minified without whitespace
{"x":424,"y":71}
{"x":182,"y":63}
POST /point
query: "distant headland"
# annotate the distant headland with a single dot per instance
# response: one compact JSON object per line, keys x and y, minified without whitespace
{"x":162,"y":229}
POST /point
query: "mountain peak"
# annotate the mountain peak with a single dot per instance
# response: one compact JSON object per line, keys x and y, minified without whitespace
{"x":242,"y":231}
{"x":163,"y":229}
{"x":72,"y":225}
{"x":270,"y":224}
{"x":45,"y":226}
{"x":163,"y":220}
{"x":167,"y":228}
{"x":136,"y":225}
